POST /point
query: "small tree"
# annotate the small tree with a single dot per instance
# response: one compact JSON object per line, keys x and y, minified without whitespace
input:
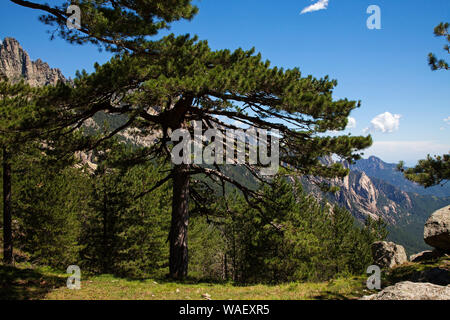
{"x":433,"y":170}
{"x":14,"y":98}
{"x":429,"y":172}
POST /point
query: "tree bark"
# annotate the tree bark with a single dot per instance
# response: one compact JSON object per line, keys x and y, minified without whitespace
{"x":178,"y":237}
{"x":7,"y":216}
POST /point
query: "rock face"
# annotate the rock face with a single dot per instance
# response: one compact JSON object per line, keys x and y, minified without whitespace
{"x":377,"y":168}
{"x":425,"y":256}
{"x":15,"y":63}
{"x":437,"y":230}
{"x":412,"y":291}
{"x":438,"y":275}
{"x":366,"y":197}
{"x":388,"y":254}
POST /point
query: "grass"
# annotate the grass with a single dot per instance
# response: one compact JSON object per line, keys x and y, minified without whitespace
{"x":435,"y":271}
{"x":28,"y":282}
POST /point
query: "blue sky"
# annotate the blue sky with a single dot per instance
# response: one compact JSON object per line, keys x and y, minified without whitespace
{"x":404,"y":103}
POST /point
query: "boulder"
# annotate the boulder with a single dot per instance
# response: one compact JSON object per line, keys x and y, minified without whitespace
{"x":425,"y":256}
{"x":407,"y":290}
{"x":438,"y":275}
{"x":437,"y":230}
{"x":388,"y":254}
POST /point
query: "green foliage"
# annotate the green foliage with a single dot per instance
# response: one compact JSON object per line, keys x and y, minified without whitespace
{"x":294,"y":238}
{"x":429,"y":172}
{"x":113,"y":24}
{"x":123,"y":234}
{"x":207,"y":250}
{"x":48,"y":206}
{"x":440,"y":30}
{"x":432,"y":171}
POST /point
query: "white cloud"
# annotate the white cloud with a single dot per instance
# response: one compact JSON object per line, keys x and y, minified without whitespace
{"x":319,"y":5}
{"x":447,"y":120}
{"x":409,"y":151}
{"x":385,"y":123}
{"x":351,"y":123}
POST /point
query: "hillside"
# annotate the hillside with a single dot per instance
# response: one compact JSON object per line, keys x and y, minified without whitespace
{"x":376,"y":168}
{"x":373,"y":188}
{"x":405,"y":212}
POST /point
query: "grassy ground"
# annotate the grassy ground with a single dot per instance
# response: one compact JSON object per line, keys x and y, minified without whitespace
{"x":436,"y":271}
{"x":26,"y":282}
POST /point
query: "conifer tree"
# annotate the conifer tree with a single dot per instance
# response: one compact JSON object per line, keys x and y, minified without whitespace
{"x":432,"y":171}
{"x":19,"y":108}
{"x":166,"y":84}
{"x":14,"y":98}
{"x":429,"y":172}
{"x":440,"y":30}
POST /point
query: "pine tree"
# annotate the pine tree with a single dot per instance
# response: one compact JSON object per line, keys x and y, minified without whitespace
{"x":429,"y":172}
{"x":441,"y":30}
{"x":432,"y":170}
{"x":14,"y":98}
{"x":48,"y":206}
{"x":31,"y":164}
{"x":124,"y":231}
{"x":165,"y":85}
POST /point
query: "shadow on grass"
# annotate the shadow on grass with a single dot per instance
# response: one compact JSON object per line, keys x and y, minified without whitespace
{"x":436,"y":271}
{"x":329,"y":295}
{"x":26,"y":284}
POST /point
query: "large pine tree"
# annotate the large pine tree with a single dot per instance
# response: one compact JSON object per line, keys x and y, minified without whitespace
{"x":167,"y":84}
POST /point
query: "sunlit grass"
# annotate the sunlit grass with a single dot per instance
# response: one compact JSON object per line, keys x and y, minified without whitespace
{"x":45,"y":283}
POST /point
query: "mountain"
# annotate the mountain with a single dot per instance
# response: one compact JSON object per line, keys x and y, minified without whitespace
{"x":373,"y":188}
{"x":364,"y":195}
{"x":16,"y":64}
{"x":377,"y":168}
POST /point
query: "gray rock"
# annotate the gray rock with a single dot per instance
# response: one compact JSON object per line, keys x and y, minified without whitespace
{"x":437,"y":230}
{"x":15,"y":63}
{"x":425,"y":256}
{"x":412,"y":291}
{"x":388,"y":254}
{"x":438,"y":275}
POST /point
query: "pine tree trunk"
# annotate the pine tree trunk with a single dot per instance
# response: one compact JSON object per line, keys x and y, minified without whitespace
{"x":178,"y":237}
{"x":7,"y":230}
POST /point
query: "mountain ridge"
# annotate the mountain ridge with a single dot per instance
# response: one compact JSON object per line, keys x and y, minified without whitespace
{"x":15,"y":64}
{"x":376,"y":168}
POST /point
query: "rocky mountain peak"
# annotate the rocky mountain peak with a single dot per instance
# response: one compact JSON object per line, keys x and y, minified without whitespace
{"x":15,"y":64}
{"x":375,"y":163}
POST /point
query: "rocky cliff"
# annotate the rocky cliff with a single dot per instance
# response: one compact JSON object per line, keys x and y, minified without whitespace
{"x":364,"y":195}
{"x":376,"y":168}
{"x":15,"y":64}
